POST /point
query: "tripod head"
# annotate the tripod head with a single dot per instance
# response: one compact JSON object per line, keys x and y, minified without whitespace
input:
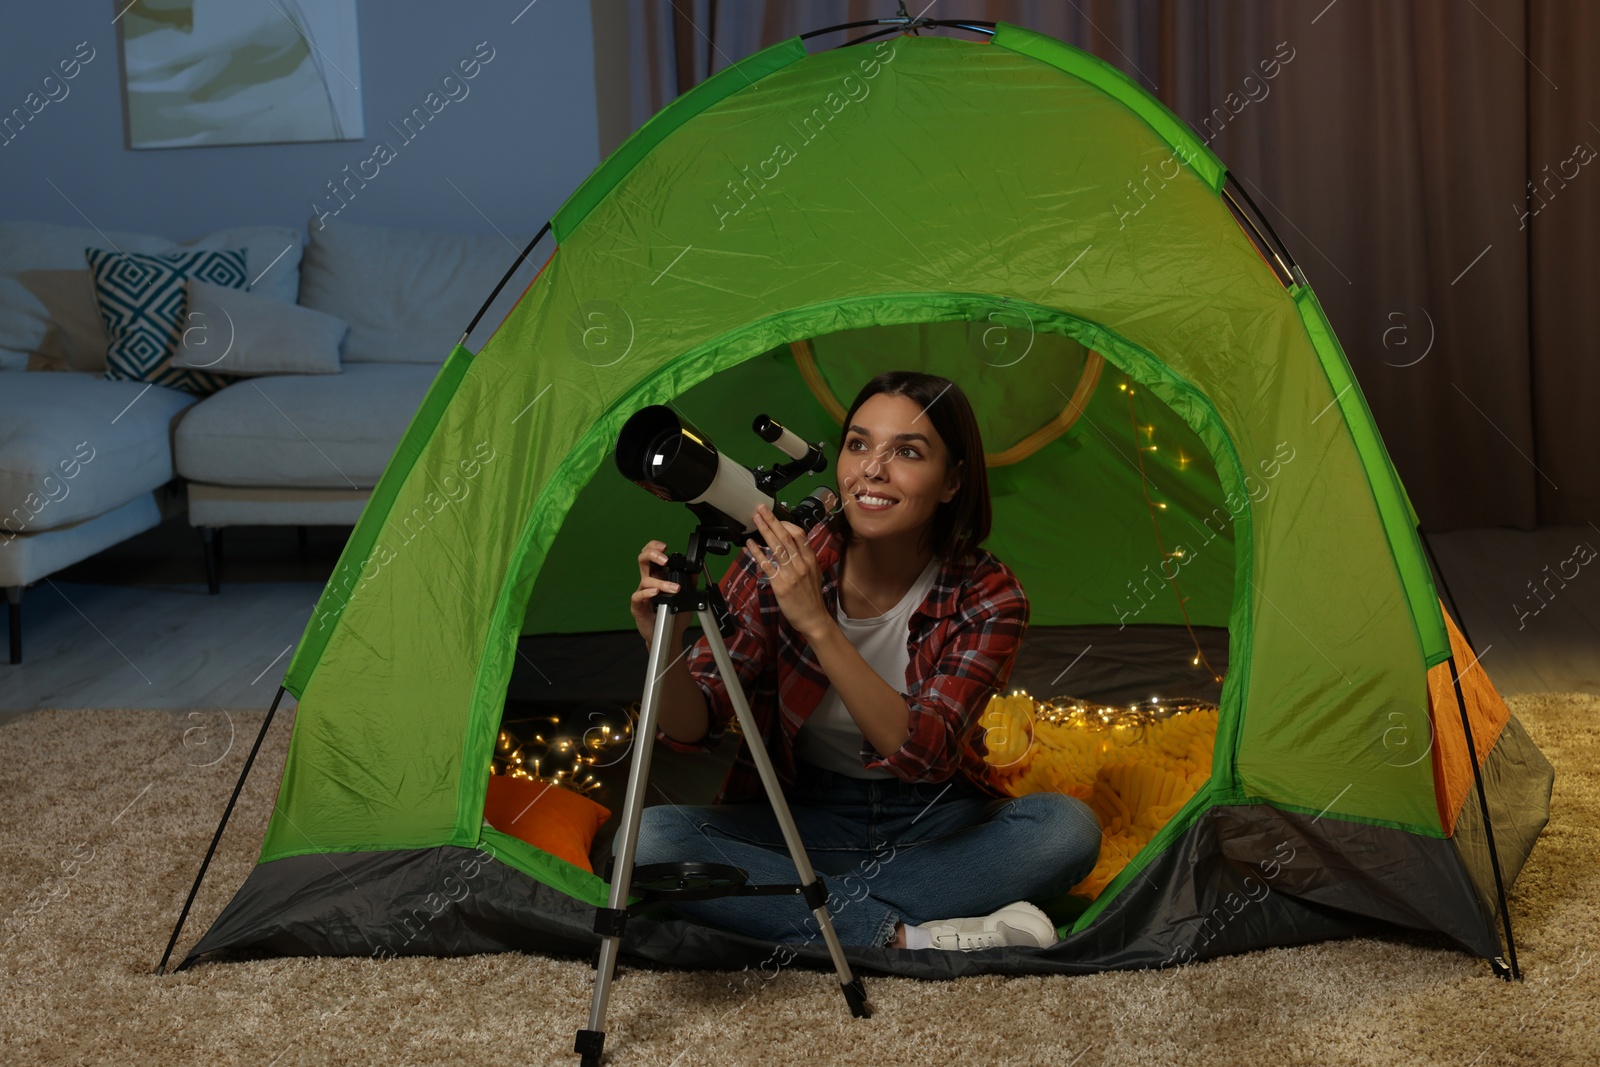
{"x":684,"y":568}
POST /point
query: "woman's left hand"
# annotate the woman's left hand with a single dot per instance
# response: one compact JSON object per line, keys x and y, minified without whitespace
{"x":792,"y":571}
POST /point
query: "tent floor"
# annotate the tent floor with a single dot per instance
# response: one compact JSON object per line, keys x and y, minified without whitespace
{"x":1195,"y":900}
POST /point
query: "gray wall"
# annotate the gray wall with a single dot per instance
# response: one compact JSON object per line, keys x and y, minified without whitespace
{"x":516,"y":145}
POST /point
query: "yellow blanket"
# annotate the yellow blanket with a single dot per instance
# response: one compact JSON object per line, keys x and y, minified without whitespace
{"x":1135,"y":775}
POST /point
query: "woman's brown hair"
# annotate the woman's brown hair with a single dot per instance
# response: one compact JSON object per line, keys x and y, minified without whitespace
{"x":961,"y":524}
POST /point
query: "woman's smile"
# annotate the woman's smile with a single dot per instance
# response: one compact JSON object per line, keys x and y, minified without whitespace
{"x":869,"y":501}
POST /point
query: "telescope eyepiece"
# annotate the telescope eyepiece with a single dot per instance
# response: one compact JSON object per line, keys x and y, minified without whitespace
{"x":790,"y":443}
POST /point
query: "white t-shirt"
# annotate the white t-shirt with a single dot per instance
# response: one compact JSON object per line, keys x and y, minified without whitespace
{"x":830,"y":737}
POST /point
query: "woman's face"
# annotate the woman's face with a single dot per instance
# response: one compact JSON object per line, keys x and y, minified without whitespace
{"x":892,"y":469}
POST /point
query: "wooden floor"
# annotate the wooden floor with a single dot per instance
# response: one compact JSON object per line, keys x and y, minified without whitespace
{"x":1535,"y":631}
{"x":134,"y":627}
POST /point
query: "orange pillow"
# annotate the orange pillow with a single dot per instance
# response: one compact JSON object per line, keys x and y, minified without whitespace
{"x":548,"y":817}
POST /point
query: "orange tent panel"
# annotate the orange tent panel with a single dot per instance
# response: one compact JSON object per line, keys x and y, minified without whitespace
{"x":1486,"y":711}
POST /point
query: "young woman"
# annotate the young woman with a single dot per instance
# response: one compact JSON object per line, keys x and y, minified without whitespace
{"x":868,"y":647}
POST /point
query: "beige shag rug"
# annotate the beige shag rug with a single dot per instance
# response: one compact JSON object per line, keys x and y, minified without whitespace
{"x":104,"y":816}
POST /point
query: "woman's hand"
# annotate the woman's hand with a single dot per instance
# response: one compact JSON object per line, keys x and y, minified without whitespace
{"x":792,"y":571}
{"x":644,"y":612}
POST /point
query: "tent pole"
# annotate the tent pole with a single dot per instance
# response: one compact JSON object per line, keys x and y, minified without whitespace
{"x":985,"y":28}
{"x":1488,"y":827}
{"x":904,"y":22}
{"x":870,"y":36}
{"x":1257,"y":212}
{"x":473,"y":325}
{"x":1261,"y":238}
{"x":161,"y":968}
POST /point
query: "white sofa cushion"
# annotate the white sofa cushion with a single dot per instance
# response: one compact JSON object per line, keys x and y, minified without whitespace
{"x":235,"y":332}
{"x":334,"y":431}
{"x":407,"y":294}
{"x":47,"y":309}
{"x":74,"y":445}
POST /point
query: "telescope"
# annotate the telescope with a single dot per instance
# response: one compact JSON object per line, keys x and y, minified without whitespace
{"x":675,"y":461}
{"x":671,"y":458}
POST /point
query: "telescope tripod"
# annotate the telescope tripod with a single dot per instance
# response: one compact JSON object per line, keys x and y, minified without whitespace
{"x":692,"y":880}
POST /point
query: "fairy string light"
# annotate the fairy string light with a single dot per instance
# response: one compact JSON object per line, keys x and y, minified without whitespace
{"x":561,"y":760}
{"x":1152,"y":506}
{"x":1075,"y":711}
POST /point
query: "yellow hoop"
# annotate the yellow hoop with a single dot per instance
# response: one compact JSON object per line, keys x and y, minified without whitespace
{"x":1093,"y":364}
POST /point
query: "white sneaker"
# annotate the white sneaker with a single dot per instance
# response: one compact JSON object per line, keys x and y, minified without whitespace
{"x":1020,"y":923}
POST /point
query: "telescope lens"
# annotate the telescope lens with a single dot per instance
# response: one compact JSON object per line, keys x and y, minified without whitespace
{"x":665,"y":455}
{"x":662,"y":451}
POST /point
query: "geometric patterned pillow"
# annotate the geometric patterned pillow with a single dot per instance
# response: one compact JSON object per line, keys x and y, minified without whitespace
{"x":144,"y":302}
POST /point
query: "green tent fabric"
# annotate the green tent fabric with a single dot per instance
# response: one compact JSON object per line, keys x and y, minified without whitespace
{"x":997,"y":212}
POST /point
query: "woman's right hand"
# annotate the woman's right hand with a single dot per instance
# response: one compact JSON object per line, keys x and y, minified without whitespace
{"x":652,"y":559}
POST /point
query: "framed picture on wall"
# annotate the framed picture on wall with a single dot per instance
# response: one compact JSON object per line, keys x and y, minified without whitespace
{"x":228,"y":72}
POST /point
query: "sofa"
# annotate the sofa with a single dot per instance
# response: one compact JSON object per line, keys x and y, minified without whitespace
{"x":87,"y":462}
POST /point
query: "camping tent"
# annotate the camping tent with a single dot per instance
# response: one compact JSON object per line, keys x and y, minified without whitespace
{"x":1022,"y":218}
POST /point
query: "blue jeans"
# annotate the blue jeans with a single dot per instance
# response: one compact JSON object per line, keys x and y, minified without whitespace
{"x":886,"y":851}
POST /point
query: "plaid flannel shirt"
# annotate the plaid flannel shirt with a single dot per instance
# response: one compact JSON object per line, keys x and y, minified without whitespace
{"x":962,"y":641}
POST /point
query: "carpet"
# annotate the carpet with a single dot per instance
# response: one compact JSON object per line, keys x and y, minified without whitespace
{"x":104,"y":816}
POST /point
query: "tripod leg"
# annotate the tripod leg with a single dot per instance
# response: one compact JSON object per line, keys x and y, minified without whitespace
{"x":609,"y":921}
{"x":854,"y":993}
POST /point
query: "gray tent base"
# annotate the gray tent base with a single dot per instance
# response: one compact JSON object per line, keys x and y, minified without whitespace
{"x":1241,"y":878}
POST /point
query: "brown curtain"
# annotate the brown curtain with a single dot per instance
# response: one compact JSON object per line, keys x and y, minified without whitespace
{"x":1392,"y":150}
{"x":1562,"y":347}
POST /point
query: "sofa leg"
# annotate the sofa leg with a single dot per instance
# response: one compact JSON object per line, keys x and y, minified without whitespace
{"x":209,"y":536}
{"x":305,"y":542}
{"x":14,"y":610}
